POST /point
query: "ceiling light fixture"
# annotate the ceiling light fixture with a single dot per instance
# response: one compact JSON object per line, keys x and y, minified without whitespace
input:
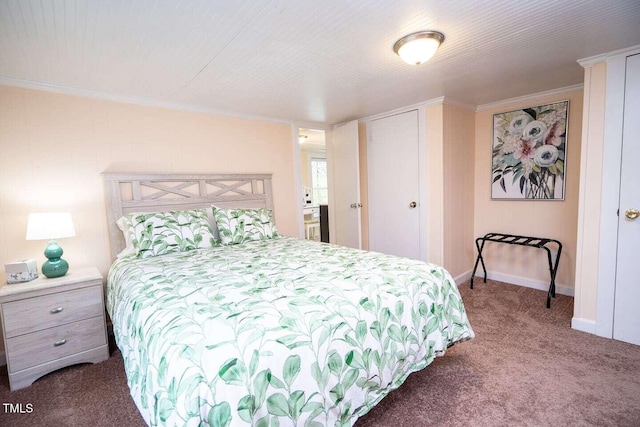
{"x":418,"y":47}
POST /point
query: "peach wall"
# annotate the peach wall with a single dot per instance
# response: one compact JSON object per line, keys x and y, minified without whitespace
{"x":54,"y":148}
{"x":554,"y":219}
{"x":458,"y":181}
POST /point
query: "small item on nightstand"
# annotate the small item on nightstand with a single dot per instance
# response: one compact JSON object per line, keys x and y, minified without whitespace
{"x":21,"y":271}
{"x":51,"y":225}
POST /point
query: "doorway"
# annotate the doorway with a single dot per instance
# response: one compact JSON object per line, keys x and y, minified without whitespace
{"x":314,"y":178}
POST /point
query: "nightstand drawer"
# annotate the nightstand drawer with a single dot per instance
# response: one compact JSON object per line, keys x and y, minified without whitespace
{"x":34,"y":314}
{"x":51,"y":344}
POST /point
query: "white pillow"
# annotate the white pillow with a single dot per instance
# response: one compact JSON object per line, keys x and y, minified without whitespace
{"x":242,"y":225}
{"x":157,"y":233}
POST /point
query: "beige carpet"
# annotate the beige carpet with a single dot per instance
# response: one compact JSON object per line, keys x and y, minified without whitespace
{"x":526,"y":367}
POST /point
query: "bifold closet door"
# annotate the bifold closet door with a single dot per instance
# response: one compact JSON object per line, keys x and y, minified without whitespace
{"x":626,"y":319}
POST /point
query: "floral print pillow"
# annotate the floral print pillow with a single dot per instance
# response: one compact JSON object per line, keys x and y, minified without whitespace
{"x":243,"y":225}
{"x":157,"y":233}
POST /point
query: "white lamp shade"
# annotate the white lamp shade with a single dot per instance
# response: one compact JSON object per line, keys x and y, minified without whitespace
{"x":51,"y":225}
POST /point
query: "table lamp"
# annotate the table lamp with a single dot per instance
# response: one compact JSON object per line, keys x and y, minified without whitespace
{"x":45,"y":226}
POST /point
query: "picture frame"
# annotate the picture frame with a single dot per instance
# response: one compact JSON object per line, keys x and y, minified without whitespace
{"x":528,"y":156}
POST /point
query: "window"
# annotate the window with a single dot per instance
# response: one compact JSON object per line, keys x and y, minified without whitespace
{"x":319,"y":185}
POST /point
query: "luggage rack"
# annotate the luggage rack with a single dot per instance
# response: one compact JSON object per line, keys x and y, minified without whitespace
{"x":534,"y":242}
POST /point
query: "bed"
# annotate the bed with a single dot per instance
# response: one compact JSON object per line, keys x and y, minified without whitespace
{"x":264,"y":329}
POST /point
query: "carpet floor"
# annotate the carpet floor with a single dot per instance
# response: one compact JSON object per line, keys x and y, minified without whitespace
{"x":526,"y":367}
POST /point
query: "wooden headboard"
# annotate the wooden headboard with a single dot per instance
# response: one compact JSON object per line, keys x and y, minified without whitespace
{"x":126,"y":193}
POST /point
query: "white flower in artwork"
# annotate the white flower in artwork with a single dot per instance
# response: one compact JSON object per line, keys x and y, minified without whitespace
{"x":554,"y":115}
{"x":510,"y":145}
{"x":534,"y":131}
{"x":545,"y":155}
{"x":517,"y":124}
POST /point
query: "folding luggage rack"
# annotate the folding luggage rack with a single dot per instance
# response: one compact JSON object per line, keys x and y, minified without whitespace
{"x":534,"y":242}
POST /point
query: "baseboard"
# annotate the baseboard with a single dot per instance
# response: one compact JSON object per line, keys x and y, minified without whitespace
{"x":460,"y":279}
{"x":584,"y":325}
{"x":526,"y":282}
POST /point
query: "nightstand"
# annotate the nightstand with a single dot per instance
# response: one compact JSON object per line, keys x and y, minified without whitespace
{"x":52,"y":323}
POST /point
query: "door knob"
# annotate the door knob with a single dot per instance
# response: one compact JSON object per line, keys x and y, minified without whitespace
{"x":632,"y":213}
{"x":413,"y":205}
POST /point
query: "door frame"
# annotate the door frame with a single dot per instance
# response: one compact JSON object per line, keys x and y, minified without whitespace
{"x":423,"y":188}
{"x":610,"y":199}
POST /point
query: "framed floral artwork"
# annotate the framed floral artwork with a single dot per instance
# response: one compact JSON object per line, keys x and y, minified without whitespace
{"x":529,"y":152}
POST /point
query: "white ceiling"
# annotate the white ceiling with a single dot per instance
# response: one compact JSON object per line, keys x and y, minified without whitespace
{"x":306,"y":60}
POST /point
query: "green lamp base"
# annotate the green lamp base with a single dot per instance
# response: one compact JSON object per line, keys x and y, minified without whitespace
{"x":55,"y":266}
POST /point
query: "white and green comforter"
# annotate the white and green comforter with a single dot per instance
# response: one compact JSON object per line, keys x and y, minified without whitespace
{"x":281,"y":332}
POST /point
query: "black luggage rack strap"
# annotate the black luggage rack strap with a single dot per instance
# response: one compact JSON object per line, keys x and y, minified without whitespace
{"x":534,"y":242}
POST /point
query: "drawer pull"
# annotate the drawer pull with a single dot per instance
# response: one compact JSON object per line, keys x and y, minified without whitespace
{"x":56,"y":310}
{"x":59,"y":343}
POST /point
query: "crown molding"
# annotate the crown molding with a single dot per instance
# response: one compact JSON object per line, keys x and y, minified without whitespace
{"x":434,"y":101}
{"x":529,"y":98}
{"x":148,"y":102}
{"x":67,"y":90}
{"x":603,"y":57}
{"x":592,"y":60}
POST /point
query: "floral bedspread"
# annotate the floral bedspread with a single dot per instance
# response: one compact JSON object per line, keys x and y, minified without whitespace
{"x":281,"y":332}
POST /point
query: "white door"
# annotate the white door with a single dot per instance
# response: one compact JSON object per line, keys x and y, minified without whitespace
{"x":344,"y":185}
{"x":626,"y":319}
{"x":394,"y":185}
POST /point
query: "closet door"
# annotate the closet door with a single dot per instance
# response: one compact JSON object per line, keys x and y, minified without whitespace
{"x":394,"y":185}
{"x":626,"y":321}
